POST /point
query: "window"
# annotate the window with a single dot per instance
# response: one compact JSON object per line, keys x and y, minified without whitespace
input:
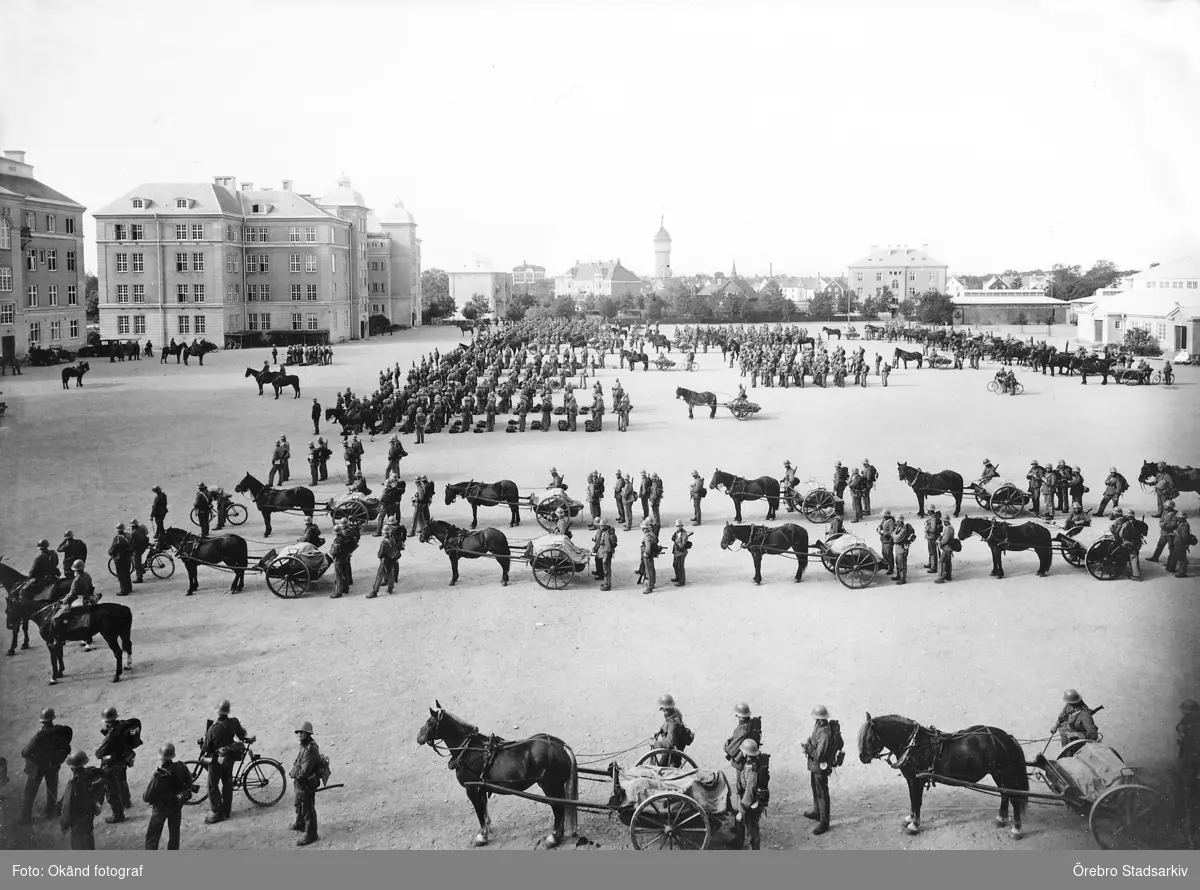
{"x":52,"y":297}
{"x":139,"y":293}
{"x":1176,"y":284}
{"x":236,"y":262}
{"x":119,"y":233}
{"x":310,"y":233}
{"x":122,"y":262}
{"x":197,"y":262}
{"x":1162,"y":332}
{"x":310,"y":262}
{"x":139,"y":262}
{"x":122,"y":324}
{"x":31,"y":293}
{"x":251,"y":234}
{"x":31,"y":220}
{"x":895,"y":286}
{"x":264,"y":262}
{"x":180,"y":231}
{"x":265,"y":320}
{"x":181,"y":262}
{"x":264,"y":293}
{"x":181,"y":204}
{"x":1116,"y":325}
{"x":55,"y":330}
{"x":184,"y":324}
{"x":200,"y":329}
{"x":72,"y":295}
{"x":252,"y":321}
{"x":228,"y":262}
{"x":310,"y":292}
{"x":73,"y":325}
{"x":251,"y":262}
{"x":230,"y":233}
{"x":229,"y":293}
{"x":5,"y":235}
{"x":139,"y":204}
{"x":8,"y":313}
{"x":294,"y":234}
{"x":51,"y":226}
{"x":198,"y":294}
{"x":71,"y":260}
{"x":1149,"y":284}
{"x":295,"y":293}
{"x":197,"y":231}
{"x":181,"y":293}
{"x":51,"y":260}
{"x":251,"y":293}
{"x":262,"y":234}
{"x":35,"y":332}
{"x":912,"y":276}
{"x":879,"y":276}
{"x":122,"y":293}
{"x":31,"y":261}
{"x":312,"y":321}
{"x":139,"y":324}
{"x":1192,"y":284}
{"x":335,"y":290}
{"x":6,"y":279}
{"x":136,"y":232}
{"x":70,"y":225}
{"x":294,"y":262}
{"x":297,"y":321}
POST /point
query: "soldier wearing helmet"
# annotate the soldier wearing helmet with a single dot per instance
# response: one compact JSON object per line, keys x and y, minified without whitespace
{"x":818,"y":748}
{"x":221,"y":748}
{"x":203,"y":508}
{"x":556,"y":480}
{"x":673,"y":733}
{"x":750,"y":806}
{"x":306,"y":778}
{"x":1075,"y":720}
{"x":80,"y":804}
{"x":116,"y":755}
{"x":697,"y":492}
{"x":121,"y":551}
{"x":44,"y":570}
{"x":747,"y":728}
{"x":169,"y":789}
{"x":679,"y":550}
{"x":1183,"y":539}
{"x":989,"y":472}
{"x":1166,"y":533}
{"x":604,"y":545}
{"x":44,"y":755}
{"x":71,"y":549}
{"x":649,"y":549}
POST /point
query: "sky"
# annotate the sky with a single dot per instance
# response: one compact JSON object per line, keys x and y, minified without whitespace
{"x":781,"y":136}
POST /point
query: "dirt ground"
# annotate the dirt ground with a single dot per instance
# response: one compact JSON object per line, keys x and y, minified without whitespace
{"x":581,"y":664}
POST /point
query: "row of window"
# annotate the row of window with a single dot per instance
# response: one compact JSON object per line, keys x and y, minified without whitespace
{"x":1192,"y":285}
{"x":33,"y":298}
{"x":194,"y":293}
{"x":31,"y":224}
{"x":35,"y":327}
{"x":48,"y":258}
{"x":255,"y":263}
{"x":261,"y":321}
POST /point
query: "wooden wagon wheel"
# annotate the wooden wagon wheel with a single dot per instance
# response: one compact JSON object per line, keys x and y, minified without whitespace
{"x":1074,"y":553}
{"x":553,"y":568}
{"x":828,"y":557}
{"x":288,"y":577}
{"x":856,"y":568}
{"x":161,"y":565}
{"x":1128,"y":817}
{"x":353,"y":511}
{"x":1106,"y":560}
{"x":669,"y":820}
{"x":1007,"y":502}
{"x":545,"y":520}
{"x":818,"y":505}
{"x":656,"y":753}
{"x":1130,"y":379}
{"x":982,"y":497}
{"x":741,"y":411}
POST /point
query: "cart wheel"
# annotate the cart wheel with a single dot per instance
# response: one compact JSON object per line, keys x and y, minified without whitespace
{"x":1072,"y":748}
{"x":353,"y":511}
{"x":991,"y":387}
{"x":1128,"y":817}
{"x":161,"y":565}
{"x":669,"y":820}
{"x":982,"y":498}
{"x":658,"y":752}
{"x":828,"y":557}
{"x":1007,"y":502}
{"x":236,"y":514}
{"x":819,"y":505}
{"x":1131,"y":379}
{"x":287,"y":577}
{"x":856,"y":567}
{"x":1156,"y":377}
{"x":1074,"y":554}
{"x":741,"y":412}
{"x":553,"y":569}
{"x":546,"y":521}
{"x":1106,"y":560}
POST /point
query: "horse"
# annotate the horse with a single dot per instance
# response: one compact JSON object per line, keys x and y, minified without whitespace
{"x":354,"y":420}
{"x":542,"y":759}
{"x":462,"y":544}
{"x":760,"y":539}
{"x":199,"y":350}
{"x":281,"y":380}
{"x":77,"y":371}
{"x":1185,"y":478}
{"x":276,"y":500}
{"x":112,"y":621}
{"x":901,"y":356}
{"x":487,"y":494}
{"x":831,"y":332}
{"x":748,"y":490}
{"x":697,"y":398}
{"x":929,"y":484}
{"x":193,"y":550}
{"x":261,"y":377}
{"x":967,"y":756}
{"x":18,"y":609}
{"x":1001,"y":536}
{"x":634,"y":357}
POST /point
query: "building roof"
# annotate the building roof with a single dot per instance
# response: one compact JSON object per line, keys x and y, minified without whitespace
{"x":28,"y":187}
{"x":525,"y":267}
{"x":1015,"y":297}
{"x":1147,"y":303}
{"x":343,"y":195}
{"x":606,"y":271}
{"x":662,"y":234}
{"x":1184,"y":267}
{"x":283,"y":203}
{"x":206,"y":197}
{"x":901,"y":257}
{"x":397,"y":214}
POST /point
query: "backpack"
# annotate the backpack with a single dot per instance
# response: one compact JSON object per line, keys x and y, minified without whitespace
{"x":872,"y":474}
{"x":686,"y":734}
{"x":764,"y":779}
{"x":324,"y":770}
{"x":612,"y":538}
{"x":836,"y":753}
{"x":132,"y":729}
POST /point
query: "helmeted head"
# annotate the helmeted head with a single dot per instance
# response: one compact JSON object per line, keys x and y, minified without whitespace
{"x":666,"y":702}
{"x":133,"y":523}
{"x":78,"y":759}
{"x":987,"y":462}
{"x":1190,"y":706}
{"x":70,"y":534}
{"x":43,"y":544}
{"x":156,"y":489}
{"x":560,"y":512}
{"x":787,"y":463}
{"x":742,"y":709}
{"x":110,"y":714}
{"x":48,"y":715}
{"x":749,"y":748}
{"x":1170,"y":505}
{"x":120,"y":526}
{"x":1072,"y":697}
{"x":77,"y":565}
{"x":167,"y":752}
{"x":695,"y":474}
{"x":223,"y":708}
{"x":202,"y":487}
{"x":1117,"y":512}
{"x":305,"y":730}
{"x":820,"y":712}
{"x":887,"y":514}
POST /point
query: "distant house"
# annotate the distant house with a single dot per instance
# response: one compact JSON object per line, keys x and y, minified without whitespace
{"x":954,"y":287}
{"x":602,"y":279}
{"x":1005,"y":305}
{"x":906,"y":272}
{"x":729,"y":286}
{"x":1165,"y":301}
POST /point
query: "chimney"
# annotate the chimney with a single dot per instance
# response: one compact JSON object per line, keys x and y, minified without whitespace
{"x":18,"y":156}
{"x":287,"y":185}
{"x":228,"y":182}
{"x":924,"y":248}
{"x":247,"y":186}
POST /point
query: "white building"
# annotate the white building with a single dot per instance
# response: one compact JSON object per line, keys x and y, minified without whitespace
{"x":480,"y":279}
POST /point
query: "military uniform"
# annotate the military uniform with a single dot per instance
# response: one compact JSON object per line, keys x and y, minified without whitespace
{"x":121,"y":550}
{"x":389,"y":566}
{"x":1179,"y":550}
{"x":656,"y":496}
{"x":945,"y":554}
{"x":887,"y":527}
{"x":305,"y":781}
{"x":870,"y":477}
{"x":816,"y":749}
{"x":619,"y":496}
{"x":648,"y":548}
{"x":72,"y":549}
{"x":116,"y":756}
{"x":222,"y":746}
{"x":80,"y":805}
{"x":679,"y":549}
{"x":203,"y":508}
{"x":697,"y":493}
{"x":1166,"y":534}
{"x":158,"y":510}
{"x":747,"y":791}
{"x":1114,"y":486}
{"x":933,"y":523}
{"x":902,"y":537}
{"x":630,"y":497}
{"x":645,"y":489}
{"x":44,"y":755}
{"x":856,"y":487}
{"x":168,"y":789}
{"x":604,"y":545}
{"x":1035,"y":484}
{"x":1075,"y":722}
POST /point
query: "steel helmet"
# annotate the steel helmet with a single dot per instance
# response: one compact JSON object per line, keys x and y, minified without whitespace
{"x":69,"y":534}
{"x":167,"y":751}
{"x":77,"y":565}
{"x":1170,"y":504}
{"x":305,"y":727}
{"x":749,"y":747}
{"x":1072,"y":697}
{"x":79,"y":758}
{"x":223,"y":708}
{"x":820,"y":712}
{"x":110,"y":714}
{"x":665,"y":701}
{"x":741,"y":709}
{"x":1190,"y":706}
{"x":48,"y":715}
{"x":43,"y":544}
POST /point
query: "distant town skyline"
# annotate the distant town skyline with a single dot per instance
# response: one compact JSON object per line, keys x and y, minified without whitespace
{"x":1019,"y":160}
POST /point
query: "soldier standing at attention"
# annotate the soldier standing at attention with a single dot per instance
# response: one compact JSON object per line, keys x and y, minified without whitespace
{"x":314,"y":462}
{"x":856,"y":488}
{"x":115,"y":756}
{"x":158,"y":511}
{"x":870,"y":478}
{"x":421,"y":420}
{"x":619,"y":497}
{"x":604,"y":545}
{"x":945,"y":553}
{"x":316,"y":419}
{"x":80,"y":806}
{"x":44,"y":755}
{"x":679,"y":549}
{"x":306,"y":780}
{"x":933,"y":530}
{"x":1187,"y":734}
{"x":203,"y":508}
{"x":749,"y":811}
{"x":697,"y":493}
{"x":121,"y":550}
{"x":644,"y":490}
{"x":887,"y":527}
{"x":817,"y":749}
{"x":323,"y":454}
{"x":902,"y":538}
{"x":139,"y":538}
{"x":649,"y":550}
{"x":169,"y":788}
{"x":630,"y":496}
{"x":656,"y":496}
{"x":72,"y":550}
{"x":884,"y":372}
{"x":1179,"y":551}
{"x":547,"y":409}
{"x":1035,"y":483}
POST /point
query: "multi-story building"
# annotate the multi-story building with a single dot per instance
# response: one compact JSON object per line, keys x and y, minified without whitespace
{"x":601,"y":279}
{"x":527,"y":274}
{"x":1164,"y":301}
{"x":906,"y":272}
{"x":480,"y":279}
{"x":394,"y":266}
{"x":42,"y":277}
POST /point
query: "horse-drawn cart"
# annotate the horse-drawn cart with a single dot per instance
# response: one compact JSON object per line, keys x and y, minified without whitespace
{"x":742,"y":409}
{"x":663,"y":363}
{"x":850,"y":559}
{"x":545,"y":504}
{"x":1002,"y":497}
{"x":292,"y":568}
{"x":353,"y":506}
{"x":555,"y":560}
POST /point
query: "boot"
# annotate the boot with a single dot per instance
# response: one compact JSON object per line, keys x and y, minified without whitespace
{"x":821,"y":828}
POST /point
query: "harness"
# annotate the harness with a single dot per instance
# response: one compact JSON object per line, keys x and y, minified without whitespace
{"x":935,"y":744}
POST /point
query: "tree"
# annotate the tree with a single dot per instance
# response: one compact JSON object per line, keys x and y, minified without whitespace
{"x":821,"y":305}
{"x":608,"y":307}
{"x":470,"y":312}
{"x":481,"y":305}
{"x":516,"y":311}
{"x":1139,"y":342}
{"x":91,"y":297}
{"x":563,"y":307}
{"x":907,"y":308}
{"x":654,"y":309}
{"x":935,"y":308}
{"x":870,"y":307}
{"x":1022,"y":318}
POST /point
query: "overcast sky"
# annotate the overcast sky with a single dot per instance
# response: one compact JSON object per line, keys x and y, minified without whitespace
{"x":1002,"y":134}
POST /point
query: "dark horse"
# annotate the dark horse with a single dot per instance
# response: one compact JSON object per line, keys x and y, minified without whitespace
{"x":747,"y":490}
{"x":462,"y":544}
{"x":18,"y":608}
{"x":831,"y":332}
{"x":1185,"y":478}
{"x":281,"y":380}
{"x":634,"y":357}
{"x":929,"y":484}
{"x":901,"y":356}
{"x":262,"y":378}
{"x":1000,"y":536}
{"x":277,"y":500}
{"x":184,"y":350}
{"x":475,"y":758}
{"x":194,"y":550}
{"x":76,"y":371}
{"x":487,"y":494}
{"x":355,"y":420}
{"x":112,"y":621}
{"x":760,"y":539}
{"x":697,"y":398}
{"x":967,"y":756}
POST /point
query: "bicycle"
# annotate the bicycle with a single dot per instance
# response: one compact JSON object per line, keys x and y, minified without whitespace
{"x":158,"y":562}
{"x":254,"y":775}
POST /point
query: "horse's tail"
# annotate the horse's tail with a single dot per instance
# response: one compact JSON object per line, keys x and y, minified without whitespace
{"x":571,"y":792}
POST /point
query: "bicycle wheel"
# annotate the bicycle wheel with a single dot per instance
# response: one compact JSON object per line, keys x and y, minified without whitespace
{"x":161,"y":565}
{"x":199,"y":777}
{"x":236,"y":514}
{"x":264,"y":782}
{"x":112,"y":566}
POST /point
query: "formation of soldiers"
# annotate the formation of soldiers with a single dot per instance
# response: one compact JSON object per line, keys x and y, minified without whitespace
{"x":305,"y":355}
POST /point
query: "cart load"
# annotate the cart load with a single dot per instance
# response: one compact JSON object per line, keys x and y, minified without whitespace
{"x":546,"y":503}
{"x":708,"y":789}
{"x":353,"y":506}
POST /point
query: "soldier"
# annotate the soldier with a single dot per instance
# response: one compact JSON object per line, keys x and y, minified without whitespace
{"x":818,"y":750}
{"x":1075,"y":487}
{"x":749,"y":810}
{"x":871,"y":479}
{"x":619,"y":496}
{"x":276,"y":465}
{"x":169,"y":788}
{"x":340,"y":552}
{"x":285,"y":463}
{"x":1114,"y":486}
{"x":1131,"y":539}
{"x":747,"y":728}
{"x":902,"y":539}
{"x":1166,"y":533}
{"x":547,"y":410}
{"x":203,"y":508}
{"x":1164,"y":486}
{"x":787,"y":486}
{"x":1035,"y":483}
{"x":312,"y":534}
{"x":649,"y":549}
{"x":44,"y":755}
{"x":316,"y":419}
{"x":44,"y":569}
{"x":349,"y":456}
{"x":623,"y":410}
{"x":673,"y":733}
{"x":314,"y":463}
{"x":1049,"y":492}
{"x":835,"y":527}
{"x":933,"y":531}
{"x":79,"y":806}
{"x":598,"y":411}
{"x":656,"y":496}
{"x":841,"y":479}
{"x":645,"y":487}
{"x":884,"y":372}
{"x":1183,"y":540}
{"x":121,"y":550}
{"x":679,"y":549}
{"x":1187,"y":734}
{"x":1077,"y":519}
{"x":158,"y":511}
{"x":116,"y":756}
{"x":522,"y":413}
{"x":1074,"y":720}
{"x":989,"y":472}
{"x":887,"y":527}
{"x":945,"y":553}
{"x":72,"y":550}
{"x":139,"y":539}
{"x":604,"y":545}
{"x":221,"y":748}
{"x":306,"y":779}
{"x":697,"y":493}
{"x":389,"y":562}
{"x":556,"y":480}
{"x":593,"y":500}
{"x":357,"y":447}
{"x":856,"y":486}
{"x":395,"y":453}
{"x":1062,"y":474}
{"x":323,"y":454}
{"x":630,"y":497}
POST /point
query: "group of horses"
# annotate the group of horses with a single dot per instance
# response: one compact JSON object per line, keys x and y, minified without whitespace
{"x":187,"y":350}
{"x":278,"y":380}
